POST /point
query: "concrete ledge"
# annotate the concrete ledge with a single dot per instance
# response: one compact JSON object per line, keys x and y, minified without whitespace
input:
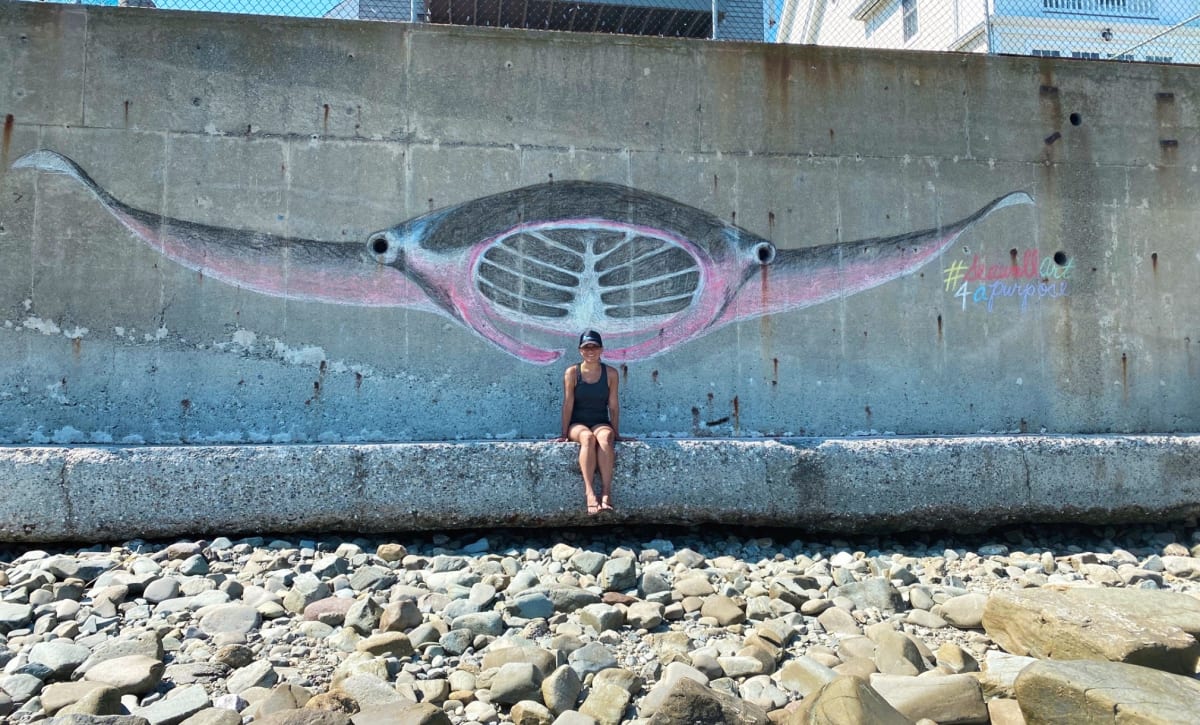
{"x":850,"y":484}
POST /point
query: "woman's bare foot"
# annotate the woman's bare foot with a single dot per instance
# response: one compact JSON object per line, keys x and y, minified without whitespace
{"x":605,"y":504}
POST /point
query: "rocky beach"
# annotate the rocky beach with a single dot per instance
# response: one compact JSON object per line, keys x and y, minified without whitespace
{"x":607,"y":625}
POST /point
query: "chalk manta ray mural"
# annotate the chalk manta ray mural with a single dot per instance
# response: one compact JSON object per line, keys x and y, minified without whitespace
{"x":544,"y":262}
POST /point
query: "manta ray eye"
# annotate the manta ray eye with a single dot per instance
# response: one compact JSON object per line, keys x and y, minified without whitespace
{"x":764,"y":252}
{"x":379,"y":245}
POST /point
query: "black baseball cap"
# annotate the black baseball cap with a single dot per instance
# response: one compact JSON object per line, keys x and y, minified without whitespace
{"x":591,"y":337}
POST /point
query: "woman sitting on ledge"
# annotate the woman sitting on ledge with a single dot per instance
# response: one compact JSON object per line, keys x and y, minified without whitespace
{"x":591,"y":416}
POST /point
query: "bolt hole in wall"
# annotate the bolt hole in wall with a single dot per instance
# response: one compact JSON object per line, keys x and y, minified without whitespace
{"x":1075,"y":119}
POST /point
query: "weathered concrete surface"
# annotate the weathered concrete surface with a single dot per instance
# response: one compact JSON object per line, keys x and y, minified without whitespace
{"x":99,"y":493}
{"x":332,"y":130}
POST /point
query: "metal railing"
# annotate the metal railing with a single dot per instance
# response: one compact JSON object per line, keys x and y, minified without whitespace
{"x":1158,"y":31}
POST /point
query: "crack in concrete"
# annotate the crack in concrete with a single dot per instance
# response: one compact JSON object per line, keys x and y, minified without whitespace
{"x":69,"y":515}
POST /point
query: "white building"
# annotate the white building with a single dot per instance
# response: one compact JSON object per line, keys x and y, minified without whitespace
{"x":1162,"y":31}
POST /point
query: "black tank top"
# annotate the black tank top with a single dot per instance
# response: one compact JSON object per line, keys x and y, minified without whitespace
{"x":591,"y":399}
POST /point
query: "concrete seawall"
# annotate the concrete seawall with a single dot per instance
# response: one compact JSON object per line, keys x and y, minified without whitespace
{"x":245,"y":266}
{"x":838,"y":485}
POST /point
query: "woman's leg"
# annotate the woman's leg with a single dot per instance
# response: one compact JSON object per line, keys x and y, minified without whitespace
{"x":606,"y":456}
{"x":587,"y":461}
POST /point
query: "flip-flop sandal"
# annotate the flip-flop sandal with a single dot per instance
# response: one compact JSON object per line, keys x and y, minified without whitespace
{"x":605,"y":506}
{"x":594,"y":508}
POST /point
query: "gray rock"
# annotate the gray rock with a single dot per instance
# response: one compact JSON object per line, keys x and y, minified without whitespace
{"x":196,"y":673}
{"x":400,"y":616}
{"x":195,"y":565}
{"x":671,"y":675}
{"x":653,"y":582}
{"x":56,"y":696}
{"x":606,"y":704}
{"x":542,"y":659}
{"x":591,"y":658}
{"x":999,"y":673}
{"x":601,"y":617}
{"x":628,"y":681}
{"x":804,"y":675}
{"x":132,"y":674}
{"x":214,"y":716}
{"x":532,"y":605}
{"x":161,"y":590}
{"x":88,"y":569}
{"x":99,"y":701}
{"x":644,"y":615}
{"x":529,"y":712}
{"x":370,"y":691}
{"x":848,"y":700}
{"x":762,"y":691}
{"x":305,"y":717}
{"x":229,"y":618}
{"x":489,"y":623}
{"x":724,"y":609}
{"x":897,"y":654}
{"x":955,"y":659}
{"x":574,"y":717}
{"x":306,"y":589}
{"x":373,"y":578}
{"x":81,"y":719}
{"x":1092,"y":691}
{"x":363,"y":616}
{"x":256,"y":674}
{"x":14,"y":616}
{"x":689,"y":702}
{"x":588,"y":562}
{"x":696,"y":585}
{"x":569,"y":599}
{"x":234,"y":656}
{"x":179,"y":705}
{"x":619,"y":574}
{"x":1150,"y":628}
{"x":60,"y":656}
{"x":456,"y":641}
{"x":560,"y":689}
{"x":943,"y":699}
{"x":386,"y":644}
{"x":873,"y":593}
{"x":516,"y":681}
{"x":836,"y":620}
{"x":330,"y":610}
{"x":739,"y":666}
{"x":965,"y":611}
{"x":20,"y":687}
{"x":926,"y":619}
{"x":282,"y":697}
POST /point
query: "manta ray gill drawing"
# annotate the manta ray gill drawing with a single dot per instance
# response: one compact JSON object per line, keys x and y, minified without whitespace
{"x":527,"y":269}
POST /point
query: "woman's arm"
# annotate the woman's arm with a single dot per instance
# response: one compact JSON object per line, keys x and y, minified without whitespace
{"x":568,"y":399}
{"x":614,"y":401}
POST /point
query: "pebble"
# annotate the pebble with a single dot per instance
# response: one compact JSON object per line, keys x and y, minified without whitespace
{"x":595,"y":626}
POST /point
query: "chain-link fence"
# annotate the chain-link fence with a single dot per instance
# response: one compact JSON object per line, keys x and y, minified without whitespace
{"x":1159,"y":31}
{"x":718,"y":19}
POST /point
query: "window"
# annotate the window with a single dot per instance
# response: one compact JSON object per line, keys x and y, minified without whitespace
{"x":1082,"y":54}
{"x":909,"y":10}
{"x":1045,"y":53}
{"x":1160,"y":59}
